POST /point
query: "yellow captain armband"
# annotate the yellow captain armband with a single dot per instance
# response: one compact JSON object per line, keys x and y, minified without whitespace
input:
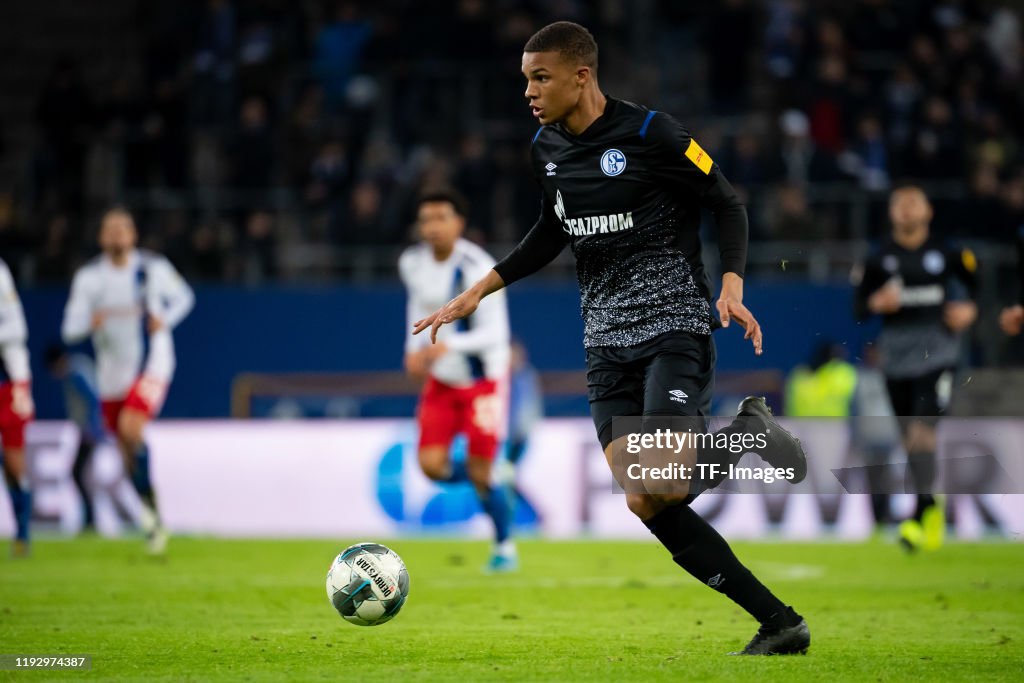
{"x":699,"y":157}
{"x":969,"y":260}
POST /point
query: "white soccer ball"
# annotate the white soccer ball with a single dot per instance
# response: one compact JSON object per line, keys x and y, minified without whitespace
{"x":367,"y":584}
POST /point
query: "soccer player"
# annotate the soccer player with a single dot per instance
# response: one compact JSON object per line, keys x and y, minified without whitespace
{"x":623,"y":185}
{"x":923,"y":289}
{"x":77,"y":375}
{"x":16,"y":407}
{"x":114,"y":298}
{"x":466,"y":371}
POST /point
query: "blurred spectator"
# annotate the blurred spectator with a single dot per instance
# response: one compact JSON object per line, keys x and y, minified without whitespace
{"x":258,"y":247}
{"x":745,"y":161}
{"x":829,"y":104}
{"x":824,"y":387}
{"x":1003,"y":39}
{"x":800,"y":159}
{"x":995,"y":146}
{"x":165,"y":126}
{"x":475,"y":177}
{"x":338,"y":50}
{"x":937,"y":151}
{"x":213,"y":65}
{"x":54,"y":256}
{"x":867,"y":159}
{"x":982,"y":214}
{"x":252,"y":150}
{"x":902,"y":98}
{"x":729,"y":44}
{"x":306,"y":128}
{"x":207,"y":258}
{"x":258,"y":69}
{"x":64,"y":114}
{"x":365,"y":224}
{"x":327,"y":191}
{"x":14,"y":243}
{"x":1013,"y":205}
{"x":793,"y":219}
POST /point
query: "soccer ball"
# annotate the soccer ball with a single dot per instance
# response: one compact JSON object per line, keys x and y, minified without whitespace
{"x":368,"y":584}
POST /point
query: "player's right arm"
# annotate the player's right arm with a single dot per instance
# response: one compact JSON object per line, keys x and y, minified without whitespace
{"x":79,"y":313}
{"x":875,"y":292}
{"x":541,"y":245}
{"x":415,"y":360}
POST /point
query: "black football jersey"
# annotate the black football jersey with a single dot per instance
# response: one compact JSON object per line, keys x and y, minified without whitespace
{"x":625,"y":195}
{"x":915,"y":340}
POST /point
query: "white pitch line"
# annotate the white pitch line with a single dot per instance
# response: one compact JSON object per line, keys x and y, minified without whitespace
{"x":775,"y":571}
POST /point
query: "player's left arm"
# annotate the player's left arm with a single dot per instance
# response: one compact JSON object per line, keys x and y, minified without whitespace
{"x":175,"y":296}
{"x":88,"y":393}
{"x":689,"y":170}
{"x":13,"y":335}
{"x":961,"y":311}
{"x":12,"y":317}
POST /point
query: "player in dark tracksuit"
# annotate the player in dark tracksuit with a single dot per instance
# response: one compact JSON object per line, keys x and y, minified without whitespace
{"x":623,"y":187}
{"x":924,"y":290}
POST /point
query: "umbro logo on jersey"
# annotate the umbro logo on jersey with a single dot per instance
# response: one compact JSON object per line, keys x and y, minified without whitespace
{"x":678,"y":395}
{"x":551,"y":168}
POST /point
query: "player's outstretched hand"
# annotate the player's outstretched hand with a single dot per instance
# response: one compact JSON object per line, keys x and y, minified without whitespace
{"x":959,"y":315}
{"x":460,"y":307}
{"x":730,"y":307}
{"x":1011,"y":320}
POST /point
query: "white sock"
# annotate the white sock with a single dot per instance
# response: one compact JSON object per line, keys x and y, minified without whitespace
{"x":506,"y":548}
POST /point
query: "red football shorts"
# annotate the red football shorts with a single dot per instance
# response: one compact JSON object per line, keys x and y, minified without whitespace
{"x":146,"y":396}
{"x":478,"y":411}
{"x":16,"y":411}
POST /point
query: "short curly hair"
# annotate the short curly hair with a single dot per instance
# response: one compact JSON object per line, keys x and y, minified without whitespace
{"x":572,"y":41}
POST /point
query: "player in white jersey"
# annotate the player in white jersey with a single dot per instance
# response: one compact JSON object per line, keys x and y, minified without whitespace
{"x":466,"y":372}
{"x":16,"y":407}
{"x":114,"y":298}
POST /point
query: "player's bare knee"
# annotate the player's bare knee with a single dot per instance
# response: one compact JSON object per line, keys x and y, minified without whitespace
{"x":434,"y":463}
{"x":643,"y":505}
{"x":130,"y":427}
{"x":14,"y":463}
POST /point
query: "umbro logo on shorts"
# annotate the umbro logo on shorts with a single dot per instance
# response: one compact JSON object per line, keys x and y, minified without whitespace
{"x":677,"y":395}
{"x":551,"y":168}
{"x":716,"y":581}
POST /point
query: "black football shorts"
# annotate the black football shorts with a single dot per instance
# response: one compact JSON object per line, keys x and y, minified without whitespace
{"x":672,"y":375}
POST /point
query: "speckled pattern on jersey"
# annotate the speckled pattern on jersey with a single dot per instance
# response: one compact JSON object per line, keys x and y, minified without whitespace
{"x":631,"y":293}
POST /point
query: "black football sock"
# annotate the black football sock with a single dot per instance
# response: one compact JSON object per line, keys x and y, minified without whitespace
{"x":701,"y":551}
{"x":85,"y":447}
{"x":880,"y":507}
{"x":921,"y":466}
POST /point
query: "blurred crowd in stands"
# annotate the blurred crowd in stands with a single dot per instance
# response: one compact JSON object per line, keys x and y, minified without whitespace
{"x":254,"y":137}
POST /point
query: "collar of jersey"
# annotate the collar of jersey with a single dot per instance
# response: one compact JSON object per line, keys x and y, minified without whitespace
{"x":598,"y":124}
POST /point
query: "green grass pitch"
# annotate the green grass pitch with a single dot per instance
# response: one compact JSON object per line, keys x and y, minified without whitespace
{"x":257,"y":610}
